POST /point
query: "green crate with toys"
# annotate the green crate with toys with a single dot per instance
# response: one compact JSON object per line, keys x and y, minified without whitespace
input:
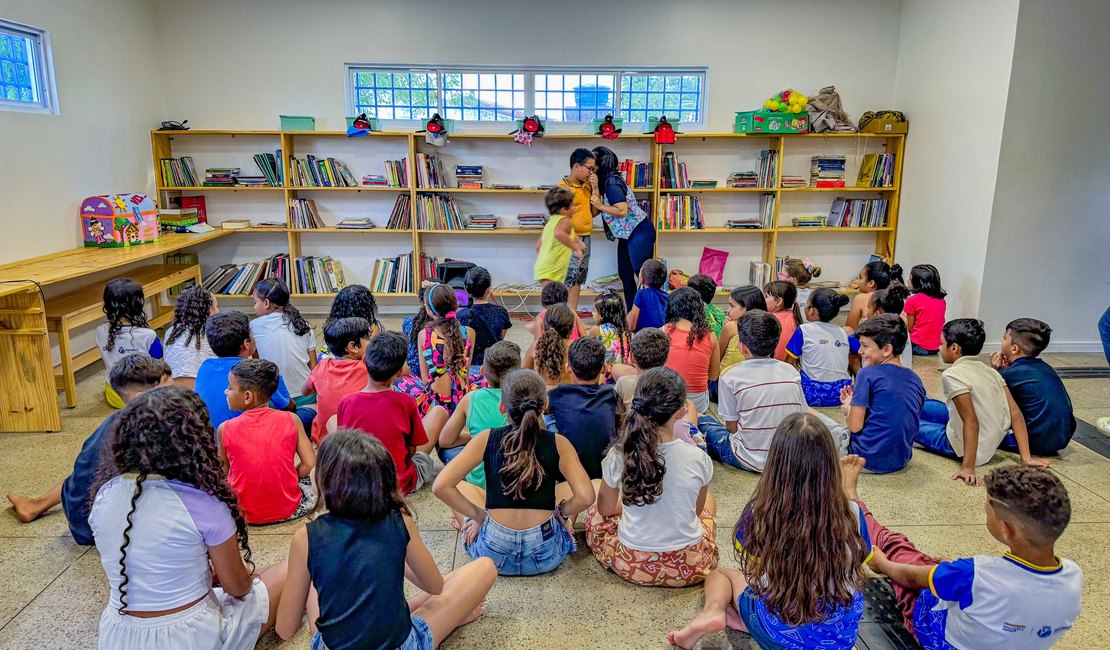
{"x":784,"y":112}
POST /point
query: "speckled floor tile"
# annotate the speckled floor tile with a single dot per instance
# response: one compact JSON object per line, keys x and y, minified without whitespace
{"x":1076,"y":359}
{"x":1089,"y":393}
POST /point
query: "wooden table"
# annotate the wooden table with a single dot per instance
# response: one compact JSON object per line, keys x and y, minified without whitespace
{"x":28,"y":396}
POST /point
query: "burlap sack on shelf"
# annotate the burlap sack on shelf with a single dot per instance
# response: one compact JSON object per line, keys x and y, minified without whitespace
{"x":826,"y":114}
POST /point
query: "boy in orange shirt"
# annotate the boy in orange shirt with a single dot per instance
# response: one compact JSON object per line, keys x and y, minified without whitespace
{"x":333,"y":379}
{"x":582,"y":181}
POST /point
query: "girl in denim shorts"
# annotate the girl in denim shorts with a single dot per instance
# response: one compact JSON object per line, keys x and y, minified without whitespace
{"x":522,"y":521}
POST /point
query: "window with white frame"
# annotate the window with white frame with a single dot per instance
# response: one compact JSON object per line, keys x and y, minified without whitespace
{"x":569,"y":96}
{"x":26,"y":69}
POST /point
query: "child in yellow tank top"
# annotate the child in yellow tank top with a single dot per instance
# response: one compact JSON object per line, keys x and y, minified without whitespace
{"x":558,"y":241}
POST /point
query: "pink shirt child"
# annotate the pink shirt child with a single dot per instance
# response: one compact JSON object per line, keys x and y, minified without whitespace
{"x":928,"y":320}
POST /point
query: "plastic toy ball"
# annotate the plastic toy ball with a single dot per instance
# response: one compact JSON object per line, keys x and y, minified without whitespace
{"x":797,"y":108}
{"x":785,"y":95}
{"x":774,"y":105}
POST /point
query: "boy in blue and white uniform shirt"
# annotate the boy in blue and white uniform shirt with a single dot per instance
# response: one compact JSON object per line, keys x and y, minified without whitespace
{"x":1027,"y":598}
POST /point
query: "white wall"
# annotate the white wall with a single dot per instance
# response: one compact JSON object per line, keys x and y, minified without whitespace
{"x":952,"y":81}
{"x":1049,"y":233}
{"x":109,"y":94}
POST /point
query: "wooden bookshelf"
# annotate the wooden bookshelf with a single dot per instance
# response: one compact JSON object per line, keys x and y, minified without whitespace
{"x":409,"y":144}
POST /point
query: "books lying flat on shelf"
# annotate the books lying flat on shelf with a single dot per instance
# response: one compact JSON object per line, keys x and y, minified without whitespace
{"x":356,"y":224}
{"x":401,"y":217}
{"x":768,"y":168}
{"x":468,"y":177}
{"x":481,"y":222}
{"x":703,"y":184}
{"x":857,"y":213}
{"x":814,"y":221}
{"x":742,"y":223}
{"x":429,"y":171}
{"x":179,"y":172}
{"x":393,"y":274}
{"x":239,"y":279}
{"x":198,"y":203}
{"x":876,"y":170}
{"x":743,"y":179}
{"x":505,"y":186}
{"x":681,"y":213}
{"x":235,"y":224}
{"x":674,"y":173}
{"x":827,"y":171}
{"x":794,"y":182}
{"x":437,"y":212}
{"x":177,"y":219}
{"x":396,"y":175}
{"x":321,"y":275}
{"x":303,"y":214}
{"x":221,"y":176}
{"x":273,"y":225}
{"x":311,"y":171}
{"x":531,"y":221}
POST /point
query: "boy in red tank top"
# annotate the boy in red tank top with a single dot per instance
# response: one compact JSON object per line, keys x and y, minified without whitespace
{"x":260,"y":447}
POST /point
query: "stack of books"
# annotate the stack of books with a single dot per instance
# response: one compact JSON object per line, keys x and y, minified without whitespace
{"x":393,"y":274}
{"x":313,"y":172}
{"x":876,"y":170}
{"x":321,"y":275}
{"x":401,"y":216}
{"x":303,"y":214}
{"x":239,"y":279}
{"x":857,"y":213}
{"x":815,"y":221}
{"x":531,"y":221}
{"x":179,"y":172}
{"x":742,"y":223}
{"x":437,"y":212}
{"x":374,"y":180}
{"x":177,"y":219}
{"x":637,"y":175}
{"x":743,"y":179}
{"x":356,"y":224}
{"x":681,"y":213}
{"x":468,"y":177}
{"x":235,"y":224}
{"x":506,"y":186}
{"x":221,"y":176}
{"x":481,"y":222}
{"x":794,"y":182}
{"x":827,"y":171}
{"x":674,"y":173}
{"x":703,"y":184}
{"x":429,"y":171}
{"x":253,"y":181}
{"x":768,"y":168}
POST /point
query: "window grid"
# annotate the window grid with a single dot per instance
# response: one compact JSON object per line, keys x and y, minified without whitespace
{"x":650,"y":95}
{"x":575,"y":97}
{"x":483,"y":97}
{"x":17,"y":69}
{"x":395,"y":95}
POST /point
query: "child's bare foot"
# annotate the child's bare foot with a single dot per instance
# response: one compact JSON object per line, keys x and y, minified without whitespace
{"x":707,"y":622}
{"x":474,"y":614}
{"x":850,"y":467}
{"x":26,"y":508}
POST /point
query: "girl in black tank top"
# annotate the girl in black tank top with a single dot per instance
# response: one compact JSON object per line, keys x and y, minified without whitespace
{"x":355,"y":557}
{"x":532,"y":516}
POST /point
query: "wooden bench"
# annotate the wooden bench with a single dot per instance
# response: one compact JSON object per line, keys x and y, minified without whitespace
{"x":86,"y":305}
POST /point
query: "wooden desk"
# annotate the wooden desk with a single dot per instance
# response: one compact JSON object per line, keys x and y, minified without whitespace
{"x":28,"y":397}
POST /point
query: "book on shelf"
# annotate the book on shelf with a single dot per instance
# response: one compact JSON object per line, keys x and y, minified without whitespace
{"x":857,"y":213}
{"x":179,"y":172}
{"x":393,"y":274}
{"x":637,"y":175}
{"x":268,"y":165}
{"x":768,"y":168}
{"x":272,"y":225}
{"x":767,"y":210}
{"x":429,"y":171}
{"x":681,"y":213}
{"x":674,"y":172}
{"x":198,"y":203}
{"x":235,"y":224}
{"x":221,"y":176}
{"x":184,"y":259}
{"x":533,"y":221}
{"x":760,"y":273}
{"x":401,"y":216}
{"x":744,"y":223}
{"x":396,"y":175}
{"x":813,"y":221}
{"x":794,"y":182}
{"x":437,"y":212}
{"x":429,"y":267}
{"x":876,"y":170}
{"x":481,"y":222}
{"x":468,"y":177}
{"x":311,"y":171}
{"x":240,"y":279}
{"x":177,"y":219}
{"x":303,"y":214}
{"x":505,"y":186}
{"x":320,"y":275}
{"x":703,"y":184}
{"x":743,"y":180}
{"x":827,"y":170}
{"x":356,"y":224}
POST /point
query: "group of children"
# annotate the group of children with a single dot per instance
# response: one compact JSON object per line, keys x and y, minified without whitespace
{"x":613,"y":421}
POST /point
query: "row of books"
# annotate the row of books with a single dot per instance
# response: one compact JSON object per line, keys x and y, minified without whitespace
{"x":311,"y":171}
{"x":429,"y":171}
{"x":321,"y":275}
{"x":764,"y":219}
{"x":681,"y":213}
{"x":401,"y":216}
{"x":396,"y":175}
{"x":876,"y":170}
{"x":429,"y":267}
{"x":760,"y":273}
{"x":481,"y":222}
{"x":437,"y":212}
{"x":221,"y":176}
{"x":636,"y":175}
{"x":827,"y":170}
{"x":768,"y":168}
{"x":857,"y":213}
{"x":179,"y":172}
{"x":271,"y":171}
{"x":240,"y":279}
{"x":468,"y":177}
{"x":673,"y":173}
{"x":393,"y":274}
{"x":303,"y":214}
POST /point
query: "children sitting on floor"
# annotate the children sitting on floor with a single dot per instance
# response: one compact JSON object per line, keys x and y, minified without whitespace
{"x":229,"y":334}
{"x":801,"y":544}
{"x":873,"y":276}
{"x":611,"y":326}
{"x":259,"y":446}
{"x":782,"y":301}
{"x":707,"y":289}
{"x":555,"y":293}
{"x":392,"y":416}
{"x":882,"y":412}
{"x":445,"y":350}
{"x":166,"y":526}
{"x":548,"y":354}
{"x":740,"y":301}
{"x":1028,"y":598}
{"x":891,"y":300}
{"x":126,"y":331}
{"x":1036,"y":388}
{"x":755,"y":396}
{"x":650,"y":349}
{"x":694,"y":353}
{"x":520,"y":521}
{"x":821,"y":349}
{"x":799,"y":272}
{"x":490,"y":322}
{"x":558,"y":242}
{"x":347,"y":567}
{"x":480,"y":410}
{"x":340,"y":374}
{"x":650,"y":306}
{"x":586,"y":411}
{"x":924,"y":310}
{"x":356,"y":301}
{"x":413,"y":327}
{"x":186,"y":343}
{"x":132,"y":376}
{"x":980,"y":410}
{"x":654,"y":521}
{"x":282,"y":335}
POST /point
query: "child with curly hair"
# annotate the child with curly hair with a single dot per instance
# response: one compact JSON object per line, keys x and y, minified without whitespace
{"x":548,"y":354}
{"x":125,"y":332}
{"x":445,"y":349}
{"x":612,"y":326}
{"x":356,"y":301}
{"x":186,"y":344}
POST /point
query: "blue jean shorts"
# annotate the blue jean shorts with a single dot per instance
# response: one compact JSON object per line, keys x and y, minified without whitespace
{"x":579,"y":269}
{"x":420,"y":637}
{"x":530,"y":552}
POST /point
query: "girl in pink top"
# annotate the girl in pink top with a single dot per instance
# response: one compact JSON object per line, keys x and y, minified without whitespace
{"x":924,"y":311}
{"x":694,"y":351}
{"x":782,"y":301}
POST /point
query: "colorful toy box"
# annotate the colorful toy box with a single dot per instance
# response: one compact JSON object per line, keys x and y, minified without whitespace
{"x":119,"y":220}
{"x":771,"y":122}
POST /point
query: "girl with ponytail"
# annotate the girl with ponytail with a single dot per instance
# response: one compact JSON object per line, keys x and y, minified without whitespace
{"x":523,"y":521}
{"x":162,"y":516}
{"x":282,"y":335}
{"x":653,"y":523}
{"x":548,"y":355}
{"x":444,"y":349}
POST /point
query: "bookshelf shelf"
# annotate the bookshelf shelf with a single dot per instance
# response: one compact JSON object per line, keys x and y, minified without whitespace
{"x":703,"y":231}
{"x":804,"y":229}
{"x":699,"y":190}
{"x":233,"y":188}
{"x":382,"y":231}
{"x":839,"y":189}
{"x":259,"y":229}
{"x":299,"y":188}
{"x":483,"y":190}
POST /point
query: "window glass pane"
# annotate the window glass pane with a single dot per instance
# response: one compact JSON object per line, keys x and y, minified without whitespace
{"x":484,"y":97}
{"x":574,"y":97}
{"x":387,"y":95}
{"x":644,"y":96}
{"x":17,"y":73}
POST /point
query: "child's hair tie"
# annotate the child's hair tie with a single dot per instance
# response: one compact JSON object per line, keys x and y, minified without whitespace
{"x":528,"y":404}
{"x":640,"y":405}
{"x":806,"y":263}
{"x":449,"y":314}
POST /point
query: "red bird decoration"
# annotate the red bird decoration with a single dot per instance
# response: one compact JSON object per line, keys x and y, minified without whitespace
{"x":664,"y":131}
{"x":607,"y":129}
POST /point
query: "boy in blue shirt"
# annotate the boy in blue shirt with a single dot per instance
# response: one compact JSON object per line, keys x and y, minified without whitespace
{"x":1035,"y":387}
{"x":132,"y":376}
{"x":586,"y":412}
{"x":650,"y":307}
{"x":229,"y":336}
{"x":1027,"y":598}
{"x":882,"y":411}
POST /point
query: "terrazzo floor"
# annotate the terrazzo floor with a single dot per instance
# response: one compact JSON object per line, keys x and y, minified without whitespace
{"x":54,"y":590}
